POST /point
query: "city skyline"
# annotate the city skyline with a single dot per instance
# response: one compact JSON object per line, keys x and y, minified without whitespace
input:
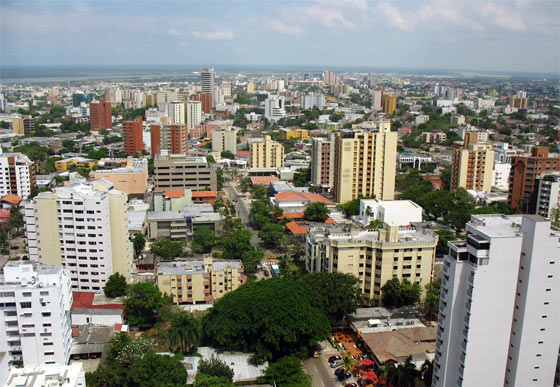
{"x":435,"y":34}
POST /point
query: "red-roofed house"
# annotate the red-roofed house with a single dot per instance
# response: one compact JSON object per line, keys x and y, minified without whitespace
{"x":298,"y":201}
{"x":4,"y":216}
{"x":85,"y":310}
{"x":10,"y":200}
{"x":207,"y":197}
{"x":263,"y":180}
{"x":296,"y":228}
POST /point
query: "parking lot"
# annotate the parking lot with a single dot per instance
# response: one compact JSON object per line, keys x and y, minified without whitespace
{"x":322,"y":375}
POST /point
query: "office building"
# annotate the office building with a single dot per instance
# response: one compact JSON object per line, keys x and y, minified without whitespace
{"x":79,"y":98}
{"x":311,"y":100}
{"x":472,"y":165}
{"x":224,"y":139}
{"x":548,"y":195}
{"x":171,"y":138}
{"x":177,"y":171}
{"x":322,"y":161}
{"x":499,"y":305}
{"x":35,"y":325}
{"x":267,"y":154}
{"x":23,"y":125}
{"x":48,"y":375}
{"x":274,"y":108}
{"x":207,"y":82}
{"x":83,"y":227}
{"x":132,"y":136}
{"x":377,"y":100}
{"x":130,"y":176}
{"x":389,"y":104}
{"x":196,"y":281}
{"x":100,"y":116}
{"x":17,"y":174}
{"x":365,"y":162}
{"x":372,"y":256}
{"x":523,"y":188}
{"x":194,"y":114}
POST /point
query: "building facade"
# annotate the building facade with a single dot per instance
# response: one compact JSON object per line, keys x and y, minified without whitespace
{"x":506,"y":336}
{"x":311,"y":100}
{"x":472,"y":166}
{"x":194,"y":114}
{"x":274,"y":108}
{"x":100,"y":115}
{"x":207,"y":82}
{"x":17,"y":174}
{"x":548,"y":195}
{"x":267,"y":154}
{"x":83,"y":227}
{"x":224,"y":139}
{"x":176,"y":171}
{"x":171,"y":138}
{"x":365,"y":162}
{"x":132,"y":137}
{"x":131,"y":177}
{"x":322,"y":161}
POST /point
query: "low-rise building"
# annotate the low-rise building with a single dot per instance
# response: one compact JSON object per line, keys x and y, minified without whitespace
{"x":47,"y":375}
{"x":131,"y":178}
{"x":196,"y":281}
{"x":294,"y":133}
{"x":434,"y":137}
{"x":181,"y":224}
{"x":78,"y":162}
{"x":177,"y":171}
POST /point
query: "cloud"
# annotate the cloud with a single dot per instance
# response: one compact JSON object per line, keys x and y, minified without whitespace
{"x":175,"y":32}
{"x":504,"y":17}
{"x":394,"y":17}
{"x":280,"y":26}
{"x":328,"y":17}
{"x":215,"y":35}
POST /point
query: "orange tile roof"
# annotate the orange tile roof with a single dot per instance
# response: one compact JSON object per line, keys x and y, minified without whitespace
{"x":295,"y":196}
{"x":330,"y":220}
{"x":204,"y":194}
{"x":295,"y":228}
{"x":291,"y":215}
{"x":12,"y":199}
{"x":263,"y":180}
{"x":174,"y":193}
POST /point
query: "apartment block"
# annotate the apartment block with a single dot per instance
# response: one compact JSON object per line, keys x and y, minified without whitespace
{"x":130,"y":177}
{"x":23,"y":125}
{"x":171,"y":138}
{"x":389,"y":103}
{"x":132,"y":137}
{"x":83,"y":227}
{"x":434,"y":137}
{"x":322,"y":161}
{"x":198,"y":281}
{"x":311,"y":100}
{"x":472,"y":166}
{"x":100,"y":115}
{"x":17,"y":174}
{"x":548,"y":195}
{"x":523,"y":188}
{"x":365,"y":162}
{"x":372,"y":256}
{"x":274,"y":107}
{"x":180,"y":224}
{"x":224,"y":139}
{"x":35,"y":326}
{"x":294,"y":133}
{"x":194,"y":114}
{"x":267,"y":154}
{"x":499,"y":305}
{"x":176,"y":171}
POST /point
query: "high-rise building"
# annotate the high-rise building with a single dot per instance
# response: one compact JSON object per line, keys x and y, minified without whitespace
{"x":194,"y":114}
{"x":35,"y":324}
{"x":548,"y":195}
{"x":329,"y":78}
{"x":472,"y":165}
{"x":207,"y":81}
{"x":499,"y":305}
{"x":172,"y":171}
{"x":78,"y":98}
{"x":176,"y":111}
{"x":17,"y":174}
{"x":267,"y":154}
{"x":274,"y":108}
{"x":518,"y":102}
{"x":171,"y":138}
{"x":377,"y":100}
{"x":132,"y":136}
{"x":523,"y":187}
{"x":365,"y":162}
{"x":311,"y":100}
{"x":206,"y":100}
{"x":322,"y":161}
{"x":23,"y":125}
{"x":224,"y":139}
{"x":250,"y":87}
{"x":389,"y":104}
{"x":373,"y":257}
{"x":83,"y":227}
{"x":100,"y":115}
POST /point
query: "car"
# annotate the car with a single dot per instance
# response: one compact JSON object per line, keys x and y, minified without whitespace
{"x":339,"y":371}
{"x":350,"y":385}
{"x":315,"y":354}
{"x":343,"y":375}
{"x":337,"y":363}
{"x":266,"y":273}
{"x":334,"y":358}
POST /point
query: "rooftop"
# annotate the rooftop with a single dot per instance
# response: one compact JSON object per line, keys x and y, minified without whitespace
{"x":48,"y":375}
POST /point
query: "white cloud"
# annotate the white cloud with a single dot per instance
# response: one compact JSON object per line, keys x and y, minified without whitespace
{"x":280,"y":26}
{"x":328,"y":17}
{"x":175,"y":32}
{"x":215,"y":35}
{"x":394,"y":17}
{"x":504,"y":17}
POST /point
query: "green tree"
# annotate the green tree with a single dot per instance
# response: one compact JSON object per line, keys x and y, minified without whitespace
{"x":220,"y":180}
{"x":142,"y":305}
{"x":203,"y":380}
{"x":157,"y":370}
{"x":116,"y":345}
{"x":115,"y":286}
{"x":272,"y":234}
{"x":215,"y":367}
{"x":272,"y":318}
{"x":166,"y":248}
{"x":431,"y":303}
{"x":138,"y":242}
{"x":203,"y":239}
{"x":316,"y":212}
{"x":227,"y":155}
{"x":396,"y":293}
{"x":444,"y":236}
{"x":427,"y":371}
{"x":405,"y":374}
{"x":185,"y":331}
{"x":302,"y":176}
{"x":287,"y":371}
{"x":238,"y":245}
{"x":336,"y":294}
{"x":352,"y":207}
{"x":97,"y":154}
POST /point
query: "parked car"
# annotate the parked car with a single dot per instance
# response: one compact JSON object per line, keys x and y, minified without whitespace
{"x":334,"y":358}
{"x":336,"y":363}
{"x":344,"y":375}
{"x":339,"y":371}
{"x":350,"y":385}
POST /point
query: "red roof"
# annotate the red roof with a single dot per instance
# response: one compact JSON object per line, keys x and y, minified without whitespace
{"x":291,"y":215}
{"x":4,"y":214}
{"x":263,"y":180}
{"x":295,"y":196}
{"x":330,"y":220}
{"x":295,"y":228}
{"x":118,"y":327}
{"x":174,"y":193}
{"x":12,"y":199}
{"x":405,"y":130}
{"x":85,"y":300}
{"x":204,"y":194}
{"x":243,"y":153}
{"x":75,"y":332}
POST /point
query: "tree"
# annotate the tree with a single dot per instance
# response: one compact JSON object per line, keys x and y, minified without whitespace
{"x":142,"y":305}
{"x":438,"y":203}
{"x":203,"y":239}
{"x":302,"y":176}
{"x":348,"y":362}
{"x":115,"y":286}
{"x":272,"y":234}
{"x":215,"y":367}
{"x":287,"y":371}
{"x":185,"y":331}
{"x":157,"y":370}
{"x":272,"y":318}
{"x":227,"y":155}
{"x":138,"y":242}
{"x":238,"y":245}
{"x":444,"y":236}
{"x":405,"y":375}
{"x":431,"y":304}
{"x":396,"y":293}
{"x":116,"y":345}
{"x":203,"y":380}
{"x":135,"y":349}
{"x":336,"y":294}
{"x":220,"y":179}
{"x":166,"y":248}
{"x":427,"y":371}
{"x":316,"y":212}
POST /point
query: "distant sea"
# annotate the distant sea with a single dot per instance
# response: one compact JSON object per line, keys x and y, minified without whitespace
{"x":71,"y":73}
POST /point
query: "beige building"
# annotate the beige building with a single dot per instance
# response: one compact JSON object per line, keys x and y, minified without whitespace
{"x":177,"y":171}
{"x":472,"y":165}
{"x":132,"y":178}
{"x":365,"y":162}
{"x":197,"y":281}
{"x":267,"y":154}
{"x":373,"y":256}
{"x":83,"y":227}
{"x":224,"y":139}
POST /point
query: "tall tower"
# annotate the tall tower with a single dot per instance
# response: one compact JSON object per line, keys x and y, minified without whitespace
{"x":132,"y":136}
{"x":207,"y":81}
{"x":194,"y":114}
{"x":472,"y":165}
{"x":100,"y":115}
{"x":499,"y":305}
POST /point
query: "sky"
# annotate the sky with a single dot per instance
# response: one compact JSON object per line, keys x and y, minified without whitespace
{"x":497,"y":35}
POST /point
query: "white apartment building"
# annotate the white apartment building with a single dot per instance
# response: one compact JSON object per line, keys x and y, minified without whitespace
{"x":393,"y":212}
{"x":499,"y":305}
{"x":224,"y":139}
{"x":500,"y":175}
{"x":548,"y":195}
{"x":194,"y":114}
{"x":274,"y":107}
{"x":310,"y":100}
{"x":17,"y":174}
{"x":166,"y":96}
{"x":48,"y":375}
{"x":176,"y":111}
{"x":35,"y":326}
{"x":83,"y":227}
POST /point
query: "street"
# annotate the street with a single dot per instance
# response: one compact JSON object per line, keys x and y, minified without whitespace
{"x":242,"y":206}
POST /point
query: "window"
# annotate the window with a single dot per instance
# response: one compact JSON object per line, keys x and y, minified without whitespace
{"x":25,"y":305}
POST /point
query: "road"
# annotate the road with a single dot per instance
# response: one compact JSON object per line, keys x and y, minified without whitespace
{"x":321,"y":374}
{"x":242,"y":206}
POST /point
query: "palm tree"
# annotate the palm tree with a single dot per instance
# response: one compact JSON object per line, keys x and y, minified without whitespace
{"x":427,"y":370}
{"x":348,"y":362}
{"x":406,"y":373}
{"x":387,"y":371}
{"x":185,"y":331}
